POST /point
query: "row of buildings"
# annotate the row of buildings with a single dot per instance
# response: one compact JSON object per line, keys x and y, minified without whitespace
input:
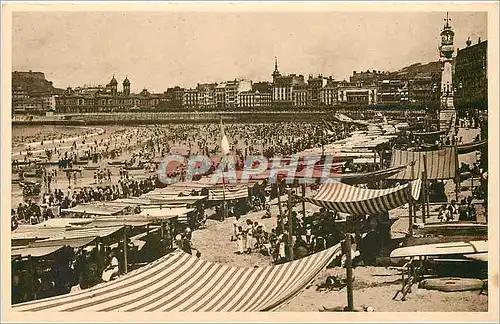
{"x":285,"y":91}
{"x":417,"y":85}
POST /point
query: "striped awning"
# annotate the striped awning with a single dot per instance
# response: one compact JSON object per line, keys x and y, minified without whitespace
{"x":228,"y":193}
{"x":180,"y":282}
{"x":86,"y":232}
{"x":358,"y":201}
{"x":441,"y":164}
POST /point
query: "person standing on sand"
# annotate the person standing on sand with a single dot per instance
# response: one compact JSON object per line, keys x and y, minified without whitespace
{"x":249,"y":234}
{"x":239,"y":239}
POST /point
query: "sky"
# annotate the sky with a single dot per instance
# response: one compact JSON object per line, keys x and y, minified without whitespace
{"x":157,"y":50}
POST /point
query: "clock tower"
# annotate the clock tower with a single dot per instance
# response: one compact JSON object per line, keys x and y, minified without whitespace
{"x":447,"y":109}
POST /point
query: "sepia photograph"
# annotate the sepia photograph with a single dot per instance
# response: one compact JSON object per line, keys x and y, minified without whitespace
{"x":272,"y":158}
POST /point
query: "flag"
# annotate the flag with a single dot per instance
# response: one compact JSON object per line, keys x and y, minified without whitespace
{"x":224,"y":145}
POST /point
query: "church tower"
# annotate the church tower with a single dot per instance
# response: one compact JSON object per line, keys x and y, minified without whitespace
{"x":447,"y":109}
{"x":114,"y":86}
{"x":276,"y":73}
{"x":126,"y":86}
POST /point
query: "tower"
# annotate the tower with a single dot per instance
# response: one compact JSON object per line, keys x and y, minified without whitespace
{"x":114,"y":86}
{"x":446,"y":51}
{"x":276,"y":73}
{"x":447,"y":109}
{"x":126,"y":86}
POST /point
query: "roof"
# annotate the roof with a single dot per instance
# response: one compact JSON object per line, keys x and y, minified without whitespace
{"x":184,"y":283}
{"x":357,"y":201}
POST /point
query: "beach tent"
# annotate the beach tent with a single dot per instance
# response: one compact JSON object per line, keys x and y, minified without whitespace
{"x":179,"y":282}
{"x":441,"y":164}
{"x":358,"y":201}
{"x":165,"y":213}
{"x":228,"y":193}
{"x":162,"y":199}
{"x":80,"y":233}
{"x":95,"y":210}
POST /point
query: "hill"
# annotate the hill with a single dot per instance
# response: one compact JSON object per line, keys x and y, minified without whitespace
{"x":33,"y":83}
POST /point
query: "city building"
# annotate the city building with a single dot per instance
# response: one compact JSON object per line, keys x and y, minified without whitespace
{"x":329,"y":94}
{"x":393,"y":90}
{"x":471,"y":76}
{"x":191,"y":98}
{"x":367,"y":79}
{"x":423,"y":89}
{"x":220,"y":95}
{"x":300,"y":95}
{"x":314,"y":86}
{"x":174,"y":97}
{"x":206,"y":95}
{"x":105,"y":99}
{"x":349,"y":94}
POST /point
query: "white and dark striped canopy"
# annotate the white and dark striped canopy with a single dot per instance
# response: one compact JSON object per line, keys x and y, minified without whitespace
{"x":183,"y":283}
{"x":228,"y":192}
{"x":440,"y":164}
{"x":358,"y":201}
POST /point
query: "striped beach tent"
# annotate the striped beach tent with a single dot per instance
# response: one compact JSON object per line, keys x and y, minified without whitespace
{"x":441,"y":164}
{"x":180,"y":282}
{"x":358,"y":201}
{"x":228,"y":193}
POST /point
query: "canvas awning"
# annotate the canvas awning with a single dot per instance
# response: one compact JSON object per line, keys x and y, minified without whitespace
{"x":441,"y":164}
{"x":74,"y":242}
{"x":76,"y":238}
{"x":357,"y":178}
{"x":175,"y":200}
{"x":122,"y":220}
{"x":25,"y":251}
{"x":358,"y":201}
{"x":228,"y":193}
{"x":179,"y":282}
{"x":165,"y":213}
{"x":95,"y":210}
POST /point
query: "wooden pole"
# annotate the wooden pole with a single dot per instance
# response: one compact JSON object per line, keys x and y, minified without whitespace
{"x":348,"y":265}
{"x":147,"y":239}
{"x":423,"y":197}
{"x":426,"y":184}
{"x":281,"y":223}
{"x":303,"y":202}
{"x":125,"y":249}
{"x":290,"y":224}
{"x":31,"y":279}
{"x":410,"y":205}
{"x":381,"y":167}
{"x":457,"y":175}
